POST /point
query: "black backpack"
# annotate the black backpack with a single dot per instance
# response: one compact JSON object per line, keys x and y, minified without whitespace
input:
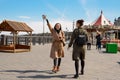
{"x":81,"y":38}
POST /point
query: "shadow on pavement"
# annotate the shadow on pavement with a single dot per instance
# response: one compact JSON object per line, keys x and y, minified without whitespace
{"x":118,"y":63}
{"x":29,"y":71}
{"x":47,"y":76}
{"x":104,"y":52}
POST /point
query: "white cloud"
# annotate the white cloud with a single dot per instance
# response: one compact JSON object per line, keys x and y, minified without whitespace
{"x":58,"y":12}
{"x":65,"y":24}
{"x":90,"y":13}
{"x":87,"y":22}
{"x":24,"y":17}
{"x":54,"y":9}
{"x":37,"y":26}
{"x":83,"y":2}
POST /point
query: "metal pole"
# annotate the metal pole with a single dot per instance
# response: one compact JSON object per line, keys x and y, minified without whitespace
{"x":43,"y":31}
{"x":14,"y":40}
{"x":67,"y":32}
{"x":73,"y":24}
{"x":30,"y":40}
{"x":43,"y":17}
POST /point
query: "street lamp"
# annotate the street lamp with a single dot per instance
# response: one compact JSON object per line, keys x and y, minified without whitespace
{"x":73,"y":24}
{"x":67,"y":33}
{"x":43,"y":17}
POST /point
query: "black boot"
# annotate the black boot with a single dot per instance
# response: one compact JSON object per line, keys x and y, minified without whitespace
{"x":82,"y":72}
{"x":76,"y":76}
{"x":76,"y":69}
{"x":82,"y":67}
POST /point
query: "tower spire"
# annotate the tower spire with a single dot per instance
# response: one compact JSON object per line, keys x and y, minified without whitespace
{"x":101,"y":12}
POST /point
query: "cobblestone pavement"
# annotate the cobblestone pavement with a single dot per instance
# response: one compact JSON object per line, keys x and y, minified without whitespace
{"x":36,"y":65}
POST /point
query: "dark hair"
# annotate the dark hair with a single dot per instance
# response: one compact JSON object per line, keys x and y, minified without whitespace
{"x":80,"y":22}
{"x":56,"y":29}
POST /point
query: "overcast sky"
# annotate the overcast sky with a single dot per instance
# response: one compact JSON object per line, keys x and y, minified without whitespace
{"x":62,"y":11}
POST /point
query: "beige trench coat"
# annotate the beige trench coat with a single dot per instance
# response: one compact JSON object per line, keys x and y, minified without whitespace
{"x":57,"y":48}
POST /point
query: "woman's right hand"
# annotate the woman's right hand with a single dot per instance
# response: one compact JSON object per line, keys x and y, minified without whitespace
{"x":44,"y":17}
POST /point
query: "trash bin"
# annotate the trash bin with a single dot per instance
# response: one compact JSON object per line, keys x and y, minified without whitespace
{"x":111,"y":48}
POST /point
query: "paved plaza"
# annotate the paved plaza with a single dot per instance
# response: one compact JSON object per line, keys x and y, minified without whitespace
{"x":37,"y":65}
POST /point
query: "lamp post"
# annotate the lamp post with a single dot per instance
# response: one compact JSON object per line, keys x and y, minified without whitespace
{"x":73,"y":24}
{"x":43,"y":17}
{"x":67,"y":33}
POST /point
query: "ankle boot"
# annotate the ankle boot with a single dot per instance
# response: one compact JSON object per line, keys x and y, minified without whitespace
{"x":82,"y":72}
{"x":54,"y":69}
{"x":58,"y":68}
{"x":76,"y":76}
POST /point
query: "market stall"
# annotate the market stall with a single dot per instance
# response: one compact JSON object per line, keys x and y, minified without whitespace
{"x":112,"y":36}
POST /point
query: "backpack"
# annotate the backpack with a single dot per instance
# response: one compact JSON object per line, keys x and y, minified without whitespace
{"x":81,"y":38}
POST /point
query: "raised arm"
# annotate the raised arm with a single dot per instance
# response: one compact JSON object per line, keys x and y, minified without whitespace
{"x":49,"y":26}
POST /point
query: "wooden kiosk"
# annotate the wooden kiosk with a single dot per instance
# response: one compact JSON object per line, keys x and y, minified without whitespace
{"x":15,"y":27}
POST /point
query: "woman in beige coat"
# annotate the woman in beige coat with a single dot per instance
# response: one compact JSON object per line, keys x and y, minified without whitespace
{"x":57,"y":49}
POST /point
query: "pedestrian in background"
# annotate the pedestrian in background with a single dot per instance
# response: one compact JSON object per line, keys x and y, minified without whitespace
{"x":98,"y":40}
{"x":89,"y":43}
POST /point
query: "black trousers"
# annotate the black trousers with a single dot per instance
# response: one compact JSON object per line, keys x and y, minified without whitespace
{"x":77,"y":66}
{"x":88,"y":46}
{"x":57,"y":61}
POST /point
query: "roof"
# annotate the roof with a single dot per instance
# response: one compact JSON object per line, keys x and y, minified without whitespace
{"x":14,"y":26}
{"x":102,"y":21}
